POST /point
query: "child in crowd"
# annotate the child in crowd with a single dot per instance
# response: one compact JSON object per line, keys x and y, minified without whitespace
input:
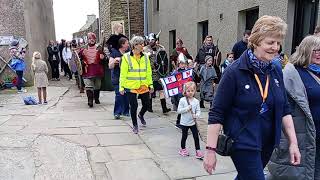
{"x":227,"y":62}
{"x":18,"y":64}
{"x":189,"y":109}
{"x":40,"y":69}
{"x":182,"y":66}
{"x":208,"y":77}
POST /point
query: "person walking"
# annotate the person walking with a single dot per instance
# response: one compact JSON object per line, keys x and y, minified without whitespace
{"x":302,"y":81}
{"x":40,"y":70}
{"x":242,"y":45}
{"x":252,"y":106}
{"x":136,"y":78}
{"x":121,"y":104}
{"x":189,"y":109}
{"x":93,"y":69}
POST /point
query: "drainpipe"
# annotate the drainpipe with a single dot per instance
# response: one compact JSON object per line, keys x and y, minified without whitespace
{"x":129,"y":29}
{"x":145,"y":3}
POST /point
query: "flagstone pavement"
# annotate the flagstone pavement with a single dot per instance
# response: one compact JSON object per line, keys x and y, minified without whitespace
{"x":66,"y":140}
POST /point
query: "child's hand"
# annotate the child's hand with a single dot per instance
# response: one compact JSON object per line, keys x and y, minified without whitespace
{"x":189,"y":108}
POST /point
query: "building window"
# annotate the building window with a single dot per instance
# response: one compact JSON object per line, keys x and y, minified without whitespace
{"x":202,"y":32}
{"x":246,"y":20}
{"x":305,"y":19}
{"x":156,"y":5}
{"x":172,"y":40}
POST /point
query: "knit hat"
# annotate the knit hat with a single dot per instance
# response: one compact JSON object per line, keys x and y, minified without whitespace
{"x":182,"y":58}
{"x":208,"y":57}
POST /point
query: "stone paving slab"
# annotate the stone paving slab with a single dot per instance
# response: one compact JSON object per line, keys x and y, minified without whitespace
{"x":110,"y":123}
{"x":118,"y":139}
{"x":186,"y":167}
{"x":16,"y":164}
{"x":129,"y":152}
{"x":16,"y":140}
{"x":105,"y":130}
{"x":226,"y":176}
{"x":57,"y":131}
{"x":82,"y":139}
{"x":10,"y":129}
{"x":99,"y":154}
{"x":60,"y":160}
{"x":165,"y":142}
{"x":145,"y":169}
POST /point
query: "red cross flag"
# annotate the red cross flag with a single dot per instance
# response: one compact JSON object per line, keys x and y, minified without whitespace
{"x":173,"y":85}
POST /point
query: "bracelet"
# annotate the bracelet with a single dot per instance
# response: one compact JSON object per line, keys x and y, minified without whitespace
{"x":211,"y":148}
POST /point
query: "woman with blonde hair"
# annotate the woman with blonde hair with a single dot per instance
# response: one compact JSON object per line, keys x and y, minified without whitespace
{"x":302,"y":82}
{"x":40,"y":69}
{"x":252,"y":106}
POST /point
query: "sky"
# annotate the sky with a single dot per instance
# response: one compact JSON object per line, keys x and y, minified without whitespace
{"x":71,"y":15}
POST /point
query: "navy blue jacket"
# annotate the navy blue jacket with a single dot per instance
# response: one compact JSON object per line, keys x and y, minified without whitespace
{"x":238,"y":101}
{"x":239,"y":48}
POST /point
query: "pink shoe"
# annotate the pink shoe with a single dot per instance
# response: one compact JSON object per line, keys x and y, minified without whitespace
{"x":183,"y":152}
{"x":199,"y":154}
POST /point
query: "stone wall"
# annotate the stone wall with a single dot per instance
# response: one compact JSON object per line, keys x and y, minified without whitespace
{"x":94,"y":27}
{"x":32,"y":20}
{"x":116,"y":10}
{"x":184,"y":15}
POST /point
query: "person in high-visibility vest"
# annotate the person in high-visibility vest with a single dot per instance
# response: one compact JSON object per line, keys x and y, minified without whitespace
{"x":136,"y":78}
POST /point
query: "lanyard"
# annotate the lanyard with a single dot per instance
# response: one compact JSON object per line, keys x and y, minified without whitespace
{"x":264,"y":93}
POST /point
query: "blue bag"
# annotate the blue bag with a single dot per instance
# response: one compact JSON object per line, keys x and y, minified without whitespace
{"x":29,"y":100}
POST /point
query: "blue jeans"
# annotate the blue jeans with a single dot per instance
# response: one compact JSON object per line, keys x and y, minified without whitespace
{"x":121,"y":104}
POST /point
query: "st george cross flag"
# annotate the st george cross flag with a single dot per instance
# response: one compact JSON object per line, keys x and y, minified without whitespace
{"x":173,"y":85}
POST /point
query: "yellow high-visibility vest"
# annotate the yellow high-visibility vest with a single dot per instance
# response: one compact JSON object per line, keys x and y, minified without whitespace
{"x":135,"y":73}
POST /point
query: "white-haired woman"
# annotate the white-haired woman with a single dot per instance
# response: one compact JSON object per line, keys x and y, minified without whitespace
{"x":252,"y":106}
{"x":302,"y":82}
{"x":136,"y":78}
{"x":40,"y":69}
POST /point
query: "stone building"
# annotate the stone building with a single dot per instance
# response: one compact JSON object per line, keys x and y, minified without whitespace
{"x":192,"y":20}
{"x":92,"y":25}
{"x":31,"y":20}
{"x":111,"y":11}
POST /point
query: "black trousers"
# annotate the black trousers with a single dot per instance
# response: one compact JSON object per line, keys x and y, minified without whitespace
{"x":195,"y":135}
{"x":55,"y":69}
{"x":133,"y":102}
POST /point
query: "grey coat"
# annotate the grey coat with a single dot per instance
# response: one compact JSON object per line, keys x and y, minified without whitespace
{"x":279,"y":166}
{"x":207,"y":76}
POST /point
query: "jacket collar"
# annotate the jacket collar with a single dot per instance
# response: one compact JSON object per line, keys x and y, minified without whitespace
{"x":141,"y":53}
{"x":244,"y":63}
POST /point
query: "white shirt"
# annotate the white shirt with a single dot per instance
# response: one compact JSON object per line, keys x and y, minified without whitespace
{"x":66,"y":54}
{"x":186,"y":115}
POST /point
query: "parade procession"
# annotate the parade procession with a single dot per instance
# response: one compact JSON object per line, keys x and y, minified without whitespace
{"x":160,"y":90}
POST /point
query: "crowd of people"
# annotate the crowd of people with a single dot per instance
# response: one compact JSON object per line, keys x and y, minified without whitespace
{"x":254,"y":94}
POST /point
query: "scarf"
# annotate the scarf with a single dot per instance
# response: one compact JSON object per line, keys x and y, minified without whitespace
{"x":315,"y":68}
{"x":255,"y":62}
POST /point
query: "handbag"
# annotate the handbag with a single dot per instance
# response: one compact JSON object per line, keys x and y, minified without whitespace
{"x":225,"y":143}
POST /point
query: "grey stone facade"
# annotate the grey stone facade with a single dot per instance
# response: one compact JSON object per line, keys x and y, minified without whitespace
{"x":226,"y":20}
{"x":92,"y":25}
{"x":32,"y":20}
{"x":117,"y":10}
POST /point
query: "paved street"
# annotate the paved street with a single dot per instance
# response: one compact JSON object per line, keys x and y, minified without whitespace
{"x":65,"y":140}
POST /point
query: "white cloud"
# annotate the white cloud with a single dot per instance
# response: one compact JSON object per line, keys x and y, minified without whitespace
{"x":71,"y":15}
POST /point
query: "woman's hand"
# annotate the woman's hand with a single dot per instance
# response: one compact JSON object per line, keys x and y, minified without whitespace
{"x":122,"y":92}
{"x":295,"y":156}
{"x":210,"y":161}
